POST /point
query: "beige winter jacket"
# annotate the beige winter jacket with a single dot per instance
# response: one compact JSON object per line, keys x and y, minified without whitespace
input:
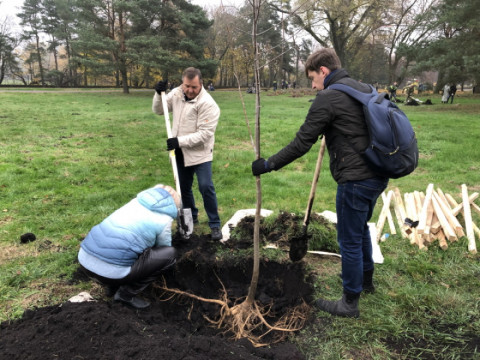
{"x":194,"y":123}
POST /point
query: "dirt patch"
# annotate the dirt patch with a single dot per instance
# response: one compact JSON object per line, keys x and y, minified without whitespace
{"x":173,"y":327}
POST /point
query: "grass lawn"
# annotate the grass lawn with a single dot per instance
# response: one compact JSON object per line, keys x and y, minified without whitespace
{"x":70,"y":159}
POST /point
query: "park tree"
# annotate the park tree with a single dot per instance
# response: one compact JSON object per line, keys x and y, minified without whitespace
{"x":31,"y":22}
{"x":453,"y":50}
{"x":165,"y":36}
{"x":342,"y":25}
{"x":8,"y":60}
{"x":407,"y":24}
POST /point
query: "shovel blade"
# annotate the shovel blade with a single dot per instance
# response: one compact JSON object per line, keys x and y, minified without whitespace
{"x":185,"y":223}
{"x":298,"y":247}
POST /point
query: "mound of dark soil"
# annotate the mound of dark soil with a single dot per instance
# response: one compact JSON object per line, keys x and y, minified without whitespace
{"x":173,"y":327}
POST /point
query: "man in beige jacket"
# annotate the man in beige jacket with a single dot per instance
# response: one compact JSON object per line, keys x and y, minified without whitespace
{"x":195,"y":118}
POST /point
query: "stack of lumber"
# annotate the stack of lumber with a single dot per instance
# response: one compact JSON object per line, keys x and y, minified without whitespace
{"x":430,"y":217}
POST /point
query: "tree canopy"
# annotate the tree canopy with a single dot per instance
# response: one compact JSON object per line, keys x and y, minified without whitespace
{"x":128,"y":43}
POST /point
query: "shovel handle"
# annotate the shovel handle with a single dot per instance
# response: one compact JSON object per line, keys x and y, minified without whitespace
{"x":313,"y":189}
{"x":171,"y":153}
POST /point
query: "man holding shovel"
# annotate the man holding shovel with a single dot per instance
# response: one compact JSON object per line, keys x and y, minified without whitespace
{"x":341,"y":119}
{"x":195,"y":119}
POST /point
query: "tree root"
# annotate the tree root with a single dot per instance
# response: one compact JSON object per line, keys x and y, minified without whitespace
{"x":247,"y":320}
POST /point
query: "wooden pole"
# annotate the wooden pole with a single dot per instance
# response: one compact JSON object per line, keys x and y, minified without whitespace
{"x":442,"y":242}
{"x":399,"y":211}
{"x":422,"y":219}
{"x":459,"y":207}
{"x":447,"y":229}
{"x":468,"y":220}
{"x":452,"y":220}
{"x":391,"y":224}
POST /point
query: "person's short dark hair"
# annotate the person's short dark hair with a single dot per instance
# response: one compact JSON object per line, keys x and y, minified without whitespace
{"x":191,"y":72}
{"x":324,"y":57}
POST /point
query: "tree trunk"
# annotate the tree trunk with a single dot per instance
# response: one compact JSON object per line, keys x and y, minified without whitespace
{"x":256,"y":228}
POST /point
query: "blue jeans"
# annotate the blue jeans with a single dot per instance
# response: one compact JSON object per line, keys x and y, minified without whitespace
{"x":205,"y":186}
{"x":355,"y":203}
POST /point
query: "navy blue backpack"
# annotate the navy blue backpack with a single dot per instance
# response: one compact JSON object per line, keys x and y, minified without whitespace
{"x":393,"y":150}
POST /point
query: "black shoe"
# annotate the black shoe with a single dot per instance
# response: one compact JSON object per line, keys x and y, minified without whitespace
{"x":110,"y":290}
{"x":216,"y":234}
{"x":132,"y":301}
{"x":369,"y":289}
{"x":346,"y":307}
{"x":195,"y":221}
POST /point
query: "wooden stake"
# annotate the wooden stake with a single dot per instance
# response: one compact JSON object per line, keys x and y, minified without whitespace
{"x":436,"y":226}
{"x":447,"y":229}
{"x":411,"y":210}
{"x":459,"y":207}
{"x":399,"y":211}
{"x":422,"y":219}
{"x":391,"y":224}
{"x":475,"y":207}
{"x":452,"y":220}
{"x":442,"y":242}
{"x":468,"y":220}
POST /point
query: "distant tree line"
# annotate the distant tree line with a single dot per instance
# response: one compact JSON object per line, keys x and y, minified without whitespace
{"x":126,"y":43}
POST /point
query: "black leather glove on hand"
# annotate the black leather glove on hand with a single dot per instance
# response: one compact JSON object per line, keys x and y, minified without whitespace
{"x":161,"y":87}
{"x":260,"y":166}
{"x":172,"y":144}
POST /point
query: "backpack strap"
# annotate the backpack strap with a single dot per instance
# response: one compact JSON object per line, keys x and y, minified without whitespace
{"x":362,"y":97}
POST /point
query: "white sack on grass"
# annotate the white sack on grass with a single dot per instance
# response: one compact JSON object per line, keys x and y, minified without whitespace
{"x":239,"y":215}
{"x":82,"y":297}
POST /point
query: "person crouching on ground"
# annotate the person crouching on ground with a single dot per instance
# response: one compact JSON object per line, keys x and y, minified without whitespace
{"x":131,"y":248}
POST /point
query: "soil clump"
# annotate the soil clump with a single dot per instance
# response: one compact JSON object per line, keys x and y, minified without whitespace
{"x":174,"y":327}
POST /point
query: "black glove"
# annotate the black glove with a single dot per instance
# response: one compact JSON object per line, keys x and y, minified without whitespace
{"x":161,"y":87}
{"x":172,"y":144}
{"x":260,"y":166}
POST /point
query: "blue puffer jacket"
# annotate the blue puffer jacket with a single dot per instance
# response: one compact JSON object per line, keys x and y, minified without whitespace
{"x":142,"y":223}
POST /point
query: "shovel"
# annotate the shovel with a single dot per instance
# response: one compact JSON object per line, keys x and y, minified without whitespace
{"x":184,"y":219}
{"x":299,"y":243}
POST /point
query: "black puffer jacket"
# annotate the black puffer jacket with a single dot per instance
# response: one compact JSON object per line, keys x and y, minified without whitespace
{"x":341,"y":119}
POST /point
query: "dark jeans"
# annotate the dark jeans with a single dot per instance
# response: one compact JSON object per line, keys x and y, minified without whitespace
{"x":148,"y":267}
{"x":355,"y":203}
{"x":205,"y":186}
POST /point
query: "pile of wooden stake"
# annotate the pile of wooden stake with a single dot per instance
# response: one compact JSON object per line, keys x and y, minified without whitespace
{"x":431,"y":216}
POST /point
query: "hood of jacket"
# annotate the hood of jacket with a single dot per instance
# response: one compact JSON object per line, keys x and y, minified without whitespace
{"x":158,"y":200}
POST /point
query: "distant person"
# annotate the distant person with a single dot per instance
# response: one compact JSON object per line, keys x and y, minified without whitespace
{"x":274,"y":85}
{"x":446,"y":93}
{"x":452,"y":92}
{"x":195,"y":119}
{"x":131,"y":248}
{"x":392,"y":89}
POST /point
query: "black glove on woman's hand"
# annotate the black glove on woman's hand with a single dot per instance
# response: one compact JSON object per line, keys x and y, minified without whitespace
{"x":172,"y":144}
{"x":161,"y":87}
{"x":260,"y":166}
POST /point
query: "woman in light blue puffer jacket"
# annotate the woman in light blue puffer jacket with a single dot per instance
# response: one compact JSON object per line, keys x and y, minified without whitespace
{"x":132,"y":247}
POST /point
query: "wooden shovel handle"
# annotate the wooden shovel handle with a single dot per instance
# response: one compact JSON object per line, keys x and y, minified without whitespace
{"x":171,"y":153}
{"x":313,"y":189}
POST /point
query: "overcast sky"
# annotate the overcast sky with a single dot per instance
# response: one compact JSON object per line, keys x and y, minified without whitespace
{"x":11,"y":7}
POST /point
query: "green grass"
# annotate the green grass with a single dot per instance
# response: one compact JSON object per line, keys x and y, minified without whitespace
{"x":67,"y":160}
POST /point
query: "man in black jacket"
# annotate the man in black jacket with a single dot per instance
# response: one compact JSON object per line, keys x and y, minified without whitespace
{"x":341,"y":120}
